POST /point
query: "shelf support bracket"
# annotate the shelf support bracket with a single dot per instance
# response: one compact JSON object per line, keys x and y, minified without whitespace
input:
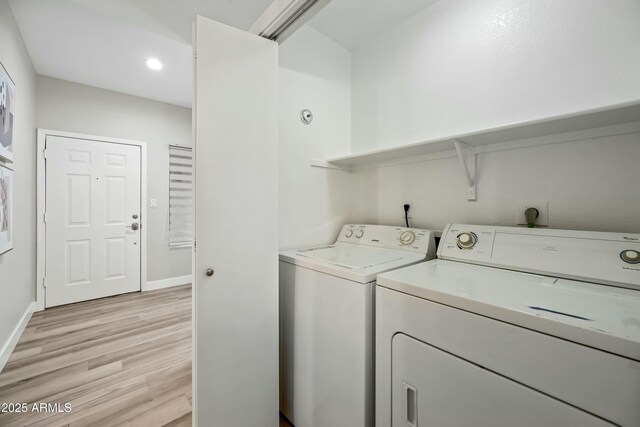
{"x":468,"y":162}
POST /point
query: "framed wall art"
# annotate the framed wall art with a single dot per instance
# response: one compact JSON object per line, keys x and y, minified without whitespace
{"x":7,"y":114}
{"x":6,"y":209}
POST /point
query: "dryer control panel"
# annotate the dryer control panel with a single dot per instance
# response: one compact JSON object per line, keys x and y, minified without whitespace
{"x":607,"y":258}
{"x":390,"y":237}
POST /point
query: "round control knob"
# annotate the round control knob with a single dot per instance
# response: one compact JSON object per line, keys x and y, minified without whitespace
{"x":348,"y":233}
{"x":359,"y":233}
{"x":466,"y":240}
{"x":630,"y":256}
{"x":407,"y":238}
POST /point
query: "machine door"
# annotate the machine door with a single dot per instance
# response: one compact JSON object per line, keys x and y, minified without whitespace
{"x":437,"y":389}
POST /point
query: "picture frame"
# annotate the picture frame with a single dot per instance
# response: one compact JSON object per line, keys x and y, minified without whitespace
{"x":6,"y":209}
{"x":7,"y":115}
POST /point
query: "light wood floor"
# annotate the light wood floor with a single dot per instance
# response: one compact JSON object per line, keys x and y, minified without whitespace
{"x":118,"y":360}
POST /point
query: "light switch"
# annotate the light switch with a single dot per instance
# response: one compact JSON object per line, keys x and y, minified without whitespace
{"x":153,"y":203}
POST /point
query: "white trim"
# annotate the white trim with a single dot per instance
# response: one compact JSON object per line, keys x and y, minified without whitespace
{"x":13,"y":339}
{"x":194,"y":314}
{"x":41,"y":181}
{"x":167,"y":283}
{"x":41,"y":198}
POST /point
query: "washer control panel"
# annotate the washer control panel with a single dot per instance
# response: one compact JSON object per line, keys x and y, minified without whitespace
{"x":630,"y":256}
{"x":407,"y":237}
{"x":467,"y":240}
{"x":607,"y":258}
{"x":389,"y":237}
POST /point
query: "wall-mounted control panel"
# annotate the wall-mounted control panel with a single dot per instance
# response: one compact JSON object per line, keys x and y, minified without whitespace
{"x":607,"y":258}
{"x":389,"y":237}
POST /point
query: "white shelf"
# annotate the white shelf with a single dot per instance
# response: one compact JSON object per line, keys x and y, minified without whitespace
{"x":591,"y":119}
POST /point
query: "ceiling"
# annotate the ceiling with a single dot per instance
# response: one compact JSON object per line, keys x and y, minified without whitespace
{"x":351,"y":23}
{"x":104,"y":43}
{"x":174,"y":18}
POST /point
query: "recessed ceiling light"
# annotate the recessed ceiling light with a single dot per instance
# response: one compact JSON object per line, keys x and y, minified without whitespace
{"x":153,"y":63}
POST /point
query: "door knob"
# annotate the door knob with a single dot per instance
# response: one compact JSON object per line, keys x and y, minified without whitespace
{"x":209,"y":272}
{"x":135,"y":226}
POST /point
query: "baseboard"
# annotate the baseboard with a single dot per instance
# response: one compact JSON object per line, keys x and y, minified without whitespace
{"x":11,"y":343}
{"x":167,"y":283}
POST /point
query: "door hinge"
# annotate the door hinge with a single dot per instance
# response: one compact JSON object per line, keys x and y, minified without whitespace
{"x":44,"y":281}
{"x":45,"y":217}
{"x":44,"y":153}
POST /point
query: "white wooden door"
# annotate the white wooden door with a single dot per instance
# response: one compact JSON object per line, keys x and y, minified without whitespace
{"x":92,"y":208}
{"x":236,"y":226}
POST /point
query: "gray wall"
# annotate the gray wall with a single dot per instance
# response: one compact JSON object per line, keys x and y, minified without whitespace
{"x":17,"y":267}
{"x":72,"y":107}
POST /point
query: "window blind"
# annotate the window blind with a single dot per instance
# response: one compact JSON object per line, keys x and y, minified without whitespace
{"x":180,"y":197}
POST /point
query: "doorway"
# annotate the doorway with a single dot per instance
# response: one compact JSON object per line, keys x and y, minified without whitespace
{"x":91,"y":240}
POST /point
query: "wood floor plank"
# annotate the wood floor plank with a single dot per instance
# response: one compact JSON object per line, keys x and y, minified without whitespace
{"x":123,"y":360}
{"x":55,"y":383}
{"x":184,"y":421}
{"x":162,"y":414}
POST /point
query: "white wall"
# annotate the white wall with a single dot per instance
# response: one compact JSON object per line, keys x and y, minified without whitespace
{"x":465,"y":65}
{"x":590,"y":182}
{"x":315,"y":73}
{"x":74,"y":107}
{"x":18,"y":267}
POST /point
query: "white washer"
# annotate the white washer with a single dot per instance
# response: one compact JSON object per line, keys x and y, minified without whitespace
{"x":327,"y":318}
{"x":512,"y":327}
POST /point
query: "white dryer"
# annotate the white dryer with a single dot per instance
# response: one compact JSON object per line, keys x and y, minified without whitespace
{"x":327,"y":322}
{"x":512,"y":327}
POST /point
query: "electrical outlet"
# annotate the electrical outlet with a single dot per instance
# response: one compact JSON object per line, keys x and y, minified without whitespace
{"x":411,"y":208}
{"x":543,"y":210}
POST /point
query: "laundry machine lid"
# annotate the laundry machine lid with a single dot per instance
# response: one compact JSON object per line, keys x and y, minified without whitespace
{"x":596,"y":315}
{"x":356,"y":263}
{"x":351,"y":256}
{"x":362,"y":251}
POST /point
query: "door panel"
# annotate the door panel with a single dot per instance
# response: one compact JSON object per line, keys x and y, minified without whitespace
{"x":437,"y":389}
{"x":92,"y":193}
{"x":236,"y":200}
